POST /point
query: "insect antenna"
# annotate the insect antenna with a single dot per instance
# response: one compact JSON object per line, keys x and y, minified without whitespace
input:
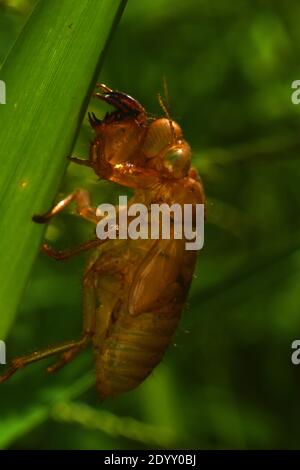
{"x":164,"y":104}
{"x":166,"y":92}
{"x":153,"y":116}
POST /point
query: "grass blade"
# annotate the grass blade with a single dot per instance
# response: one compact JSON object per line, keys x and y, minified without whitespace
{"x":49,"y":75}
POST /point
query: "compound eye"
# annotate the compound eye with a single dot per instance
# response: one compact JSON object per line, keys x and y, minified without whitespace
{"x":177,"y":160}
{"x":161,"y":135}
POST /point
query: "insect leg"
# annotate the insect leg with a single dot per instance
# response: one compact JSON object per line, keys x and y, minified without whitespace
{"x":123,"y":102}
{"x":89,"y":308}
{"x":83,"y":207}
{"x":80,"y":161}
{"x":22,"y":361}
{"x":69,"y":349}
{"x":129,"y":175}
{"x":60,"y":255}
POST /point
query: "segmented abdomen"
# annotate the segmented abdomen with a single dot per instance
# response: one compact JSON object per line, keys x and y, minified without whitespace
{"x":133,"y":347}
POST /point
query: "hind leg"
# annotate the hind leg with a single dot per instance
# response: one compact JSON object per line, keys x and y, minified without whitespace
{"x":23,"y":361}
{"x":67,"y":350}
{"x":89,"y":309}
{"x":97,"y":309}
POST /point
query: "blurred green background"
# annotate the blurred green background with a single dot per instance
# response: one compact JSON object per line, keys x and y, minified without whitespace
{"x":227,"y":380}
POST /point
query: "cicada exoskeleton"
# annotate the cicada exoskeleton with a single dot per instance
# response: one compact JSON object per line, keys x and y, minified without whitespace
{"x":134,"y":291}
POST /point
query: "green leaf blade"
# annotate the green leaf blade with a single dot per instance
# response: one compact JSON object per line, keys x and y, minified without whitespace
{"x":49,"y":76}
